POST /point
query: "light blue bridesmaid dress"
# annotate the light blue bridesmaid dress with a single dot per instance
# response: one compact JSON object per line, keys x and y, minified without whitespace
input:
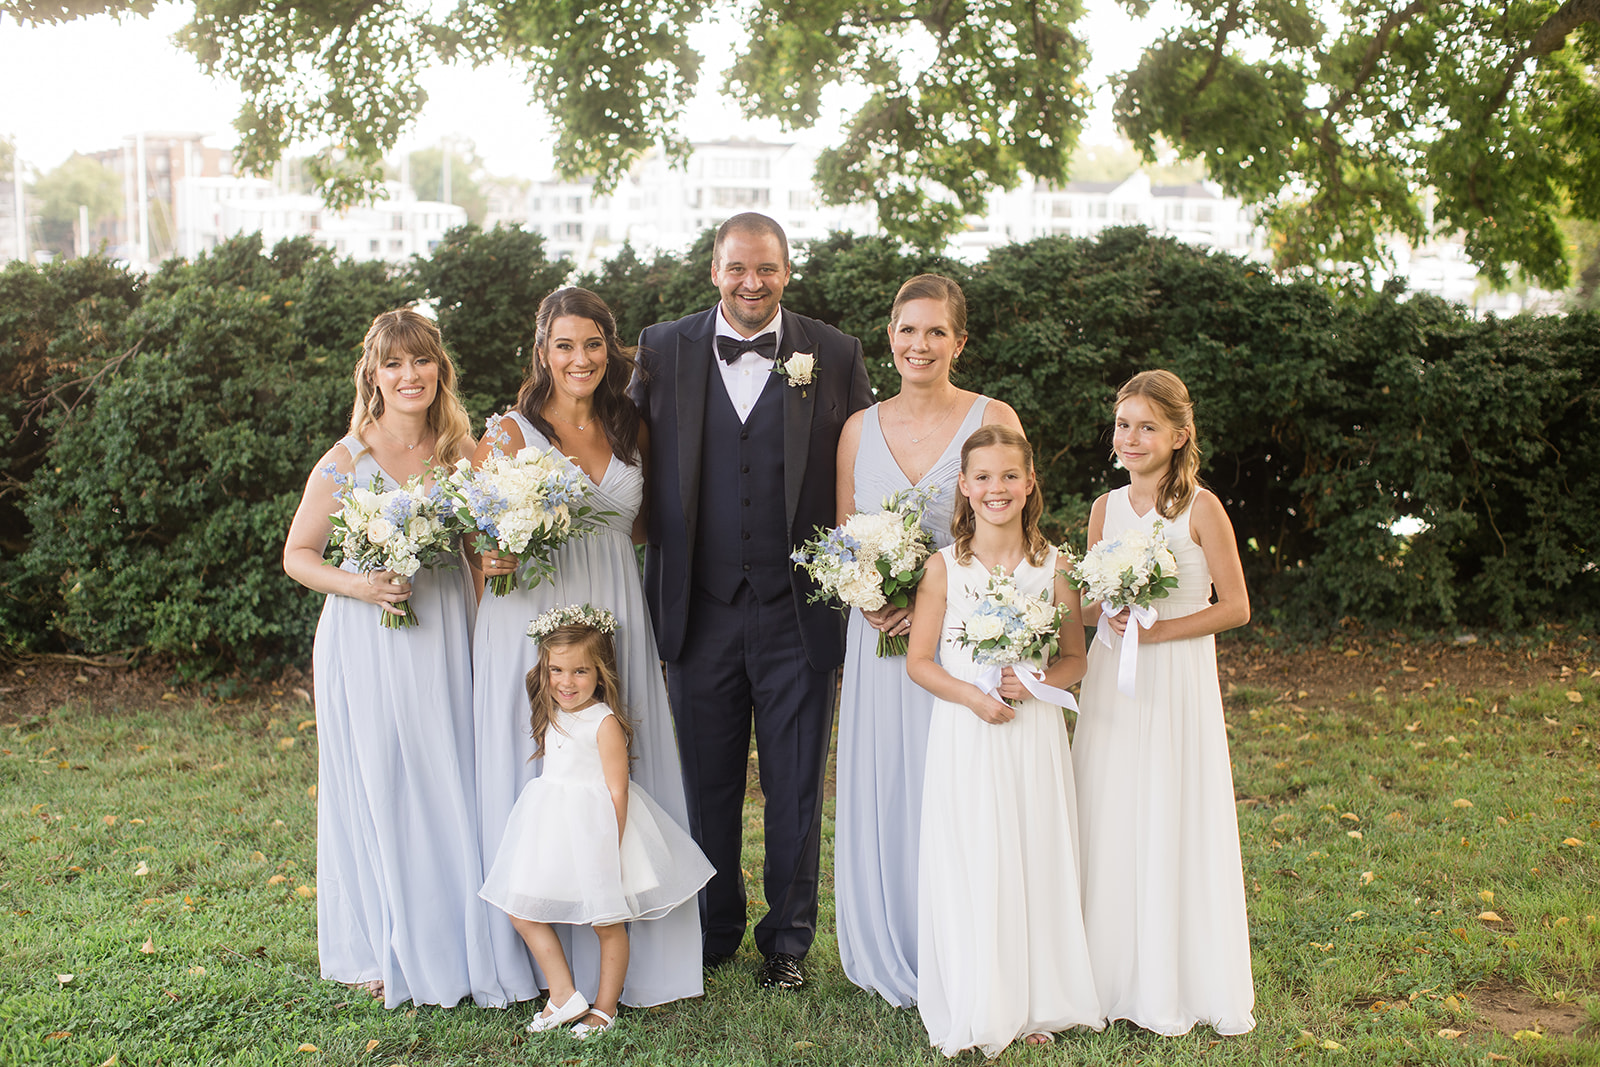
{"x":398,"y":864}
{"x":883,"y":739}
{"x":602,"y":569}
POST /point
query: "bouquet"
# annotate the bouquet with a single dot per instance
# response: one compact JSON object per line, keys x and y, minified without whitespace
{"x":1129,"y":572}
{"x":526,"y":505}
{"x":1008,"y":626}
{"x":872,"y":560}
{"x":399,"y":530}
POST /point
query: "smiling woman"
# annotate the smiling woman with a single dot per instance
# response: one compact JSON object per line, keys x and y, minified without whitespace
{"x":398,"y":867}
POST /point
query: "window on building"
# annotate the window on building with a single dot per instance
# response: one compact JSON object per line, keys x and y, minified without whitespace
{"x":1061,"y":209}
{"x":799,"y":200}
{"x":568,"y":231}
{"x":1202,"y":213}
{"x":397,"y":221}
{"x":741,"y":167}
{"x":396,"y":245}
{"x":372,"y":246}
{"x":740,"y":197}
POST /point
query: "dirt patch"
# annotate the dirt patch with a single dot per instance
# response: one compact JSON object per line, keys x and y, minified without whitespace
{"x":1344,"y":673}
{"x":1511,"y":1010}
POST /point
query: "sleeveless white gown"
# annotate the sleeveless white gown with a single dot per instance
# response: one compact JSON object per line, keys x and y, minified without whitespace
{"x":1163,"y":884}
{"x":1000,"y":932}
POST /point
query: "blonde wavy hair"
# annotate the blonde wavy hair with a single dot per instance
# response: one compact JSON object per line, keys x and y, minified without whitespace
{"x":1170,"y":397}
{"x":964,"y":523}
{"x":405,"y":330}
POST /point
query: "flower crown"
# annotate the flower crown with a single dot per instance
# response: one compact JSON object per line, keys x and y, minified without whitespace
{"x":572,"y":615}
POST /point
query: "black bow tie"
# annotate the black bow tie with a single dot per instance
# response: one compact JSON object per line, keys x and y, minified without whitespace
{"x":731,"y":348}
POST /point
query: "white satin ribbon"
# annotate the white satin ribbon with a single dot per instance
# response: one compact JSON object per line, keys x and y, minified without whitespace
{"x":1032,"y":680}
{"x":1138,"y":618}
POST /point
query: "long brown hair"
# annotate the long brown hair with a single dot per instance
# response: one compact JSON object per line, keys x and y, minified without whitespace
{"x":602,"y":650}
{"x":964,"y":523}
{"x":1170,"y":397}
{"x":405,"y":330}
{"x":612,"y":405}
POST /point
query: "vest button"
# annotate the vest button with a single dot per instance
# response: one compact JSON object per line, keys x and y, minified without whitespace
{"x":747,"y":566}
{"x":747,"y":535}
{"x":746,"y":501}
{"x":745,"y":469}
{"x":744,"y":435}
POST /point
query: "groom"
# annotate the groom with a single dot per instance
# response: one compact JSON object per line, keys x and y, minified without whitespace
{"x":744,"y":403}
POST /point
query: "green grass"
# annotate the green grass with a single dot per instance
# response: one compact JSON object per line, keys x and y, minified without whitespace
{"x":1371,"y":943}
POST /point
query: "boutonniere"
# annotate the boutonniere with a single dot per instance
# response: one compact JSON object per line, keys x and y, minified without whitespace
{"x":798,"y":370}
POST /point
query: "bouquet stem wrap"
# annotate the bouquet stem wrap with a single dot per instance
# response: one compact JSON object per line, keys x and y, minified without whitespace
{"x":1139,"y":618}
{"x":1032,"y":680}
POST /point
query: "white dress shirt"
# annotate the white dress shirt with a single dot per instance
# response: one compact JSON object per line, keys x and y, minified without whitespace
{"x":746,"y":376}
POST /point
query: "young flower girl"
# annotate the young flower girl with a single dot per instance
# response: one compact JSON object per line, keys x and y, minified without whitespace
{"x":1163,"y":886}
{"x":1000,"y":933}
{"x":584,"y":845}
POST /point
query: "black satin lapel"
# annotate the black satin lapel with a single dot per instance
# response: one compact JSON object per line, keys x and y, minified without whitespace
{"x":693,"y":364}
{"x":798,"y":404}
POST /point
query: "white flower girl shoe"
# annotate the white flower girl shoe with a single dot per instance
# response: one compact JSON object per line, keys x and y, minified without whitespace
{"x":574,"y":1008}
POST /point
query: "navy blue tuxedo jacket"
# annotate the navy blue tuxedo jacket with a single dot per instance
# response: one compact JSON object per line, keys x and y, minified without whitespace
{"x":676,"y":363}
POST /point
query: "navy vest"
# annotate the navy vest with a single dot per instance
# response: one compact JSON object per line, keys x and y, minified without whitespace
{"x":742,"y":532}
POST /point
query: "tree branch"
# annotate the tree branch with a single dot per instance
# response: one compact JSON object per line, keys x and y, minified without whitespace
{"x":1552,"y":36}
{"x":1230,"y":22}
{"x":1380,"y":41}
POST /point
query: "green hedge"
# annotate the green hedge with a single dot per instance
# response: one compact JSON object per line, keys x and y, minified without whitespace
{"x":163,"y":426}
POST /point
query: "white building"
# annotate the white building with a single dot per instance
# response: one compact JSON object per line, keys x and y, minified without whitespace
{"x":659,"y":207}
{"x":210,"y":210}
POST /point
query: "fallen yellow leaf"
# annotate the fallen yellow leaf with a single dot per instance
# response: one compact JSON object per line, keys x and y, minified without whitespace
{"x":1355,"y":915}
{"x":372,"y":1044}
{"x":305,"y":724}
{"x":109,"y":820}
{"x":306,"y":890}
{"x":1572,"y":842}
{"x":112,"y":1062}
{"x":277,"y":879}
{"x":1449,"y":1034}
{"x":1490,"y":917}
{"x":1332,"y":1045}
{"x":307,"y":1047}
{"x":58,"y":1035}
{"x":801,"y":1046}
{"x":1562,"y":921}
{"x":311,"y":791}
{"x":1451,"y":1004}
{"x":1527,"y":1035}
{"x":1367,"y":877}
{"x":1574,"y":696}
{"x":141,"y":870}
{"x":65,"y":978}
{"x":197,"y":970}
{"x":1486,"y":895}
{"x":1353,"y":833}
{"x":1352,"y":816}
{"x":285,"y":742}
{"x":149,"y":946}
{"x":258,"y":857}
{"x":170,"y":696}
{"x":1461,"y":802}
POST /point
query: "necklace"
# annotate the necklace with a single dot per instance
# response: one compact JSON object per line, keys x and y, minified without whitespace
{"x":569,"y":422}
{"x":906,"y":422}
{"x":400,"y":440}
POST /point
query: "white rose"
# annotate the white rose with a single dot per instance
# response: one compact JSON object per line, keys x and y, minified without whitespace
{"x":800,"y":367}
{"x":379,"y":530}
{"x":985,"y":627}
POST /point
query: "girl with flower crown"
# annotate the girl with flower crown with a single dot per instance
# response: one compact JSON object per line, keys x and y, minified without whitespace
{"x":1163,"y":892}
{"x":584,"y":845}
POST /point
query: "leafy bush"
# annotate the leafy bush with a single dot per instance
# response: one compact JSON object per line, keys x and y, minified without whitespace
{"x":160,"y":515}
{"x":182,"y":413}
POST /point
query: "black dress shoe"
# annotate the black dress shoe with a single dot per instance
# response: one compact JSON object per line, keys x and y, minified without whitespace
{"x":711,"y":961}
{"x":781,"y":971}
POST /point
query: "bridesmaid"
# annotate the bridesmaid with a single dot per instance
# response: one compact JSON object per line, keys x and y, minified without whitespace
{"x":398,"y":864}
{"x":575,"y":399}
{"x":911,"y":440}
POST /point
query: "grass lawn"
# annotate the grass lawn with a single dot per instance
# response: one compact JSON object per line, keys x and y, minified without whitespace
{"x":1422,"y":879}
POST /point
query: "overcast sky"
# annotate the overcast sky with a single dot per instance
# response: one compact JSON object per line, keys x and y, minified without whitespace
{"x":86,"y":85}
